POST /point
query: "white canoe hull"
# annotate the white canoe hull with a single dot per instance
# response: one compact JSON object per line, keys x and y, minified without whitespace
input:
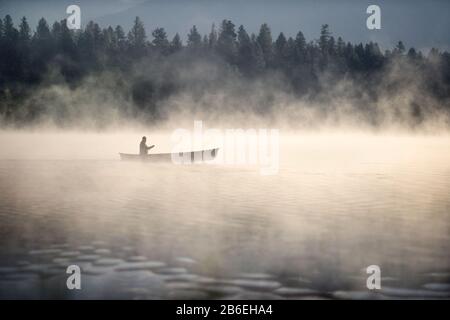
{"x":180,"y":157}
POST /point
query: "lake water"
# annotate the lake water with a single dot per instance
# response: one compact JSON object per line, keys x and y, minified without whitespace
{"x":339,"y":203}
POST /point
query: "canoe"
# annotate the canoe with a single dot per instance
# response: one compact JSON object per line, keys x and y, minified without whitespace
{"x":179,"y":157}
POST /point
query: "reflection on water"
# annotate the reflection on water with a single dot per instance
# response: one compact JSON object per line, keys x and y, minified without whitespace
{"x":152,"y":231}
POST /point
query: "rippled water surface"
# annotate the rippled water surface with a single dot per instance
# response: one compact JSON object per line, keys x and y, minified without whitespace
{"x":338,"y":204}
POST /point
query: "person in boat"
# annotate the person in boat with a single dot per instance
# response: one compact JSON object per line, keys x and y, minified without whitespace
{"x":143,"y":149}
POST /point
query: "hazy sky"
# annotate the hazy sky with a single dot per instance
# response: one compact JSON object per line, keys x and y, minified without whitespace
{"x":420,"y":23}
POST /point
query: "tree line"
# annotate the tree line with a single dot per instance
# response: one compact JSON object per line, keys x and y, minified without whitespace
{"x":27,"y":57}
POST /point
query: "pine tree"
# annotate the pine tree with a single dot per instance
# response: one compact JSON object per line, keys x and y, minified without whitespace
{"x":399,"y":48}
{"x":245,"y":51}
{"x":120,"y":38}
{"x":194,"y":40}
{"x":42,"y":30}
{"x":109,"y":39}
{"x":1,"y":29}
{"x":340,"y":47}
{"x":56,"y":31}
{"x":160,"y":40}
{"x":66,"y":41}
{"x":10,"y":33}
{"x":94,"y":34}
{"x":24,"y":30}
{"x":280,"y":50}
{"x":212,"y":38}
{"x":332,"y":46}
{"x":176,"y":45}
{"x":43,"y":46}
{"x":324,"y":39}
{"x":258,"y":54}
{"x":205,"y":42}
{"x":300,"y":47}
{"x":226,"y":41}
{"x":10,"y":59}
{"x":265,"y":42}
{"x":290,"y":52}
{"x":137,"y":36}
{"x":412,"y":54}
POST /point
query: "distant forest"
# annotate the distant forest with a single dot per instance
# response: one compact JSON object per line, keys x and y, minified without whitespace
{"x":146,"y":69}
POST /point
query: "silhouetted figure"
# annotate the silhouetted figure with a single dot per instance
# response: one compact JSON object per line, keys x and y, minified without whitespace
{"x":143,"y":149}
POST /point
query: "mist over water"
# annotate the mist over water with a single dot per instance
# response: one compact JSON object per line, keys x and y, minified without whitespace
{"x":396,"y":99}
{"x":340,"y":202}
